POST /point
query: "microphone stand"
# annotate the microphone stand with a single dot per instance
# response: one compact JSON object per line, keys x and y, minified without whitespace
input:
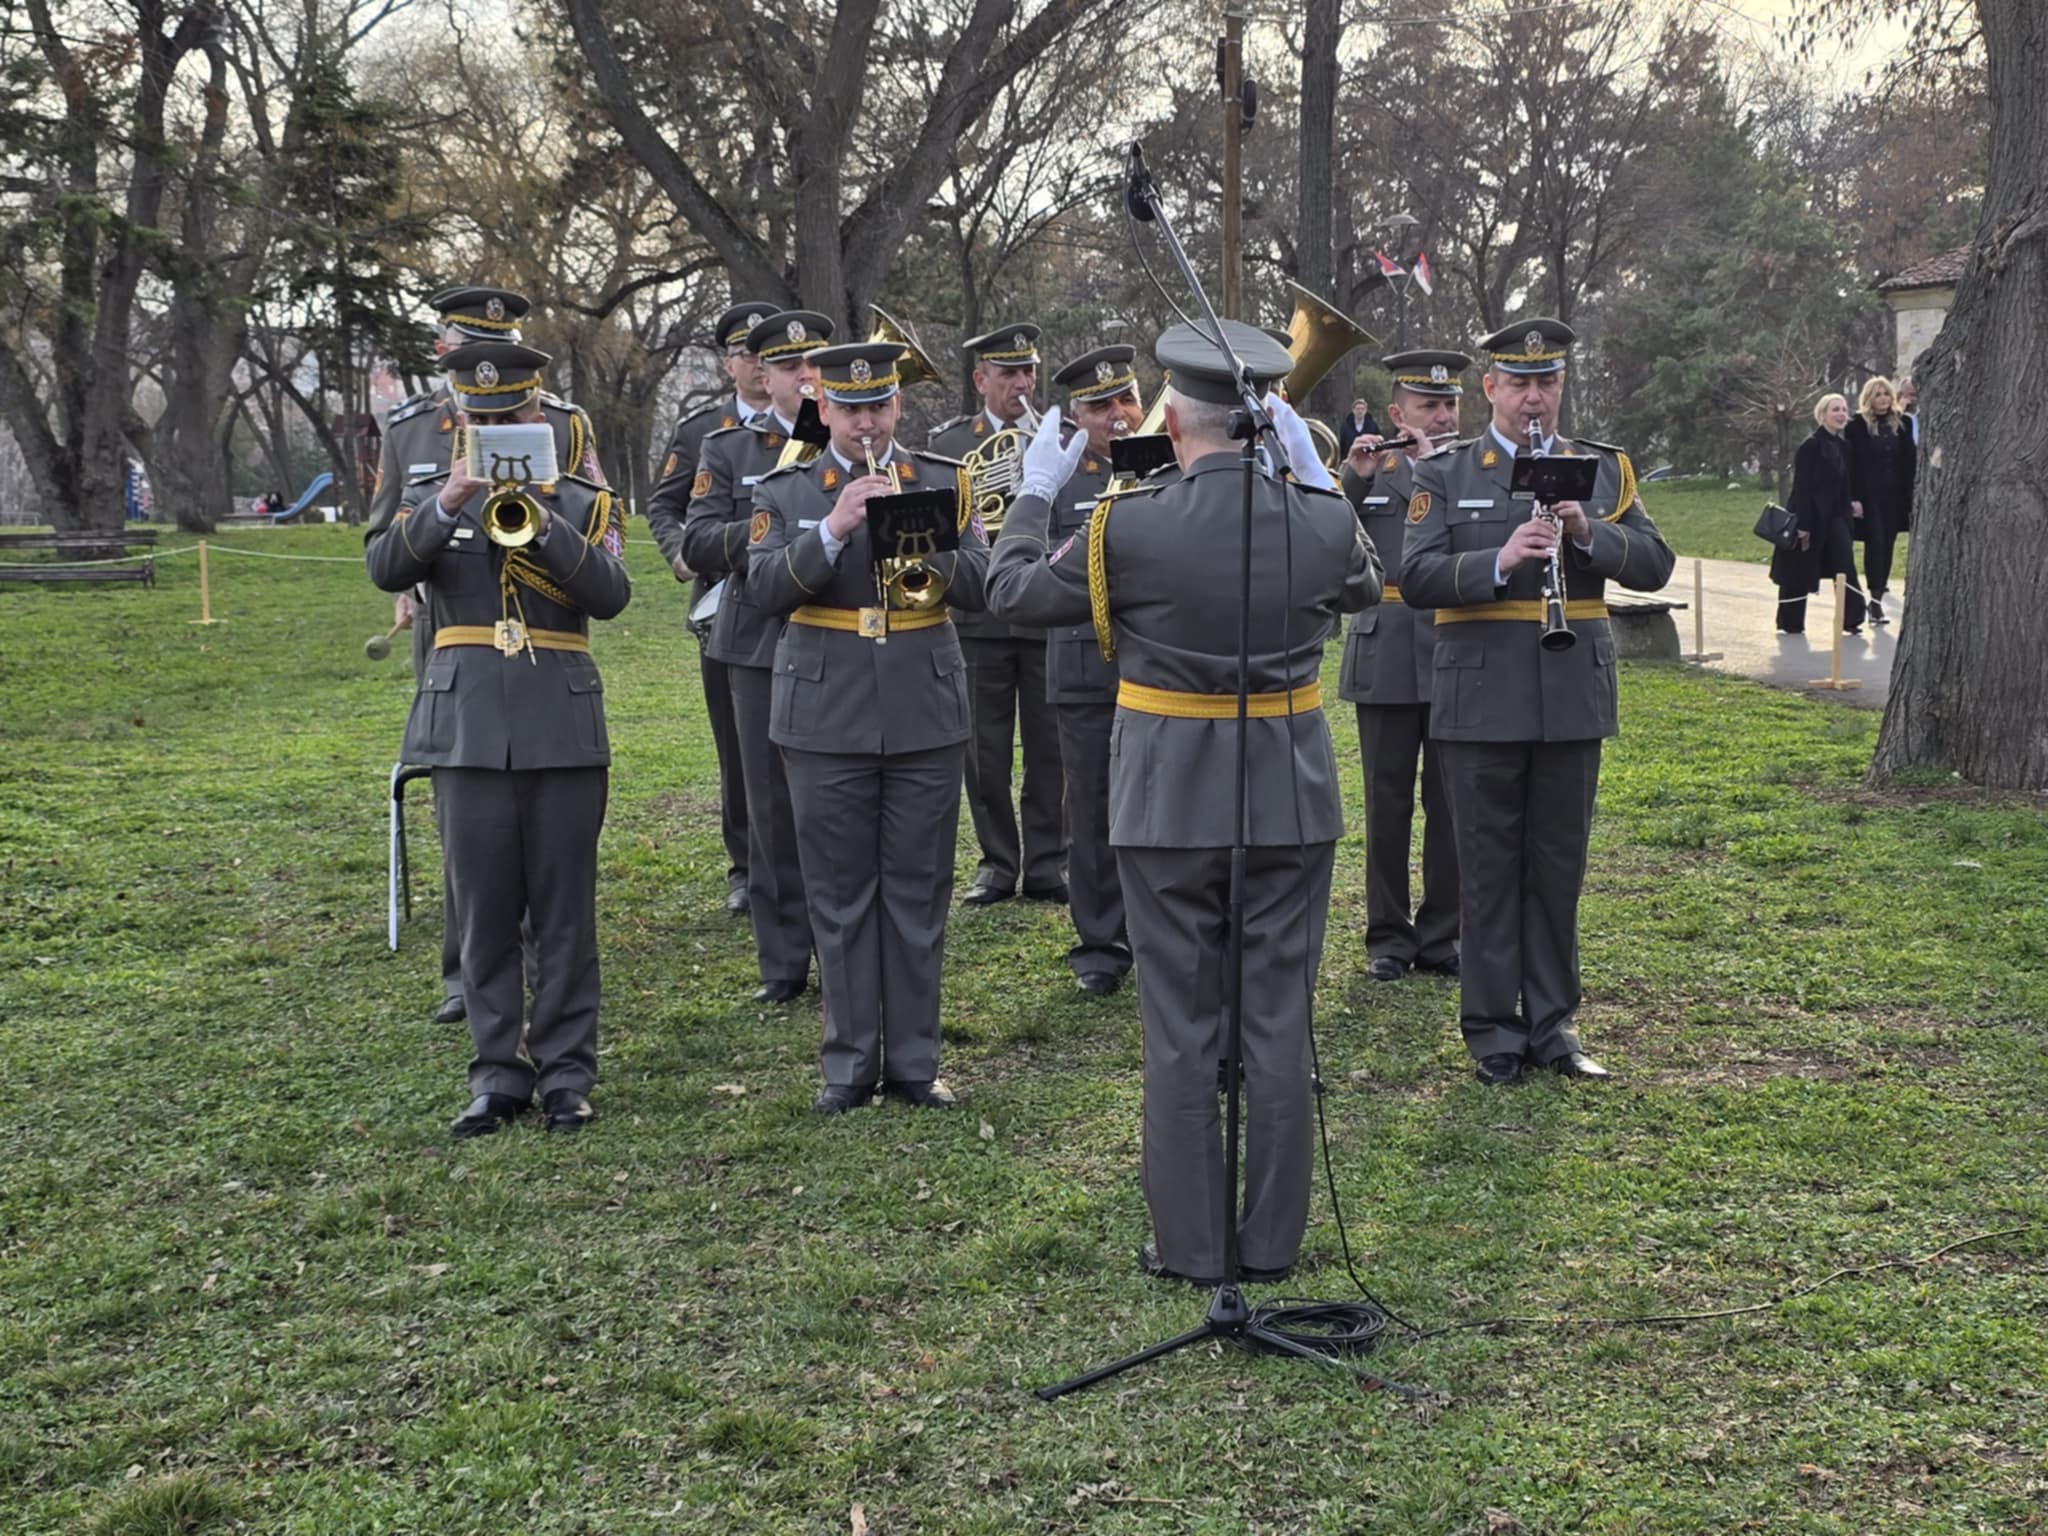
{"x":1228,"y":1317}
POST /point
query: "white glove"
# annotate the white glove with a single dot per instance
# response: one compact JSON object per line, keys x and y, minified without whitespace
{"x":1295,"y":442}
{"x":1049,"y":463}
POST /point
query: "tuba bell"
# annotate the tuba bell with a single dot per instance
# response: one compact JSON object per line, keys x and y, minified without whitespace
{"x":1319,"y":334}
{"x":916,"y":366}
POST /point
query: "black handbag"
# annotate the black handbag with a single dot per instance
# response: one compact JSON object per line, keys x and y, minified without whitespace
{"x":1777,"y":527}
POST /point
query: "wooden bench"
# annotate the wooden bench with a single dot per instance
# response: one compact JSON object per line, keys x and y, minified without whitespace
{"x":1643,"y":627}
{"x":84,"y":545}
{"x":143,"y":571}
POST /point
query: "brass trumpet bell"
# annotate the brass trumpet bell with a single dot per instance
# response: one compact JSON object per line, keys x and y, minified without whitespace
{"x":916,"y":366}
{"x":511,"y":518}
{"x":912,"y":585}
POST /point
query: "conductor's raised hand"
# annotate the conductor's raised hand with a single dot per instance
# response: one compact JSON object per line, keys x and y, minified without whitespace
{"x":1296,"y":443}
{"x":1048,"y":462}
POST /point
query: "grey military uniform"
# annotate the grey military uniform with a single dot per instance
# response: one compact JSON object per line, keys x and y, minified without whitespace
{"x":1081,"y":683}
{"x":665,"y":512}
{"x":743,"y":635}
{"x":872,"y":738}
{"x":1171,"y":580}
{"x":1520,"y":727}
{"x":519,"y":752}
{"x":1007,"y":685}
{"x":1387,"y":674}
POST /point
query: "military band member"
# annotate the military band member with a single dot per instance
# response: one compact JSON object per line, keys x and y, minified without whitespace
{"x":510,"y":716}
{"x":1102,"y":396}
{"x":1006,"y":666}
{"x":870,"y":711}
{"x":1388,"y":664}
{"x":743,"y":637}
{"x":748,"y":399}
{"x":1519,"y":726}
{"x":419,"y":434}
{"x":1159,"y":579}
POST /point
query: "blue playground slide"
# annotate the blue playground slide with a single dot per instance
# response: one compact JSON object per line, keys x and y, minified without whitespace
{"x":320,"y":483}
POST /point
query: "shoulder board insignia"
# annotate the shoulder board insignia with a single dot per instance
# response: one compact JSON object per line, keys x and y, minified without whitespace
{"x":548,"y":397}
{"x":583,"y":480}
{"x":937,"y":458}
{"x":1418,"y":507}
{"x":1587,"y":442}
{"x":405,"y":410}
{"x":780,"y":469}
{"x":1451,"y":448}
{"x":702,"y":410}
{"x":439,"y":474}
{"x":702,"y":483}
{"x":948,"y":425}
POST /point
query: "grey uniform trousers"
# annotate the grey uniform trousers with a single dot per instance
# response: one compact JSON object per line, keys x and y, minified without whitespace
{"x":1095,"y":896}
{"x":1390,"y":738}
{"x":775,"y":881}
{"x":732,"y":779}
{"x":525,"y":842}
{"x":1523,"y":811}
{"x":422,"y":636}
{"x":1177,"y":900}
{"x":876,"y":835}
{"x":1006,"y":682}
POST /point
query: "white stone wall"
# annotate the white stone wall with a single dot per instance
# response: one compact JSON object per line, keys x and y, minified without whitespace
{"x":1917,"y":320}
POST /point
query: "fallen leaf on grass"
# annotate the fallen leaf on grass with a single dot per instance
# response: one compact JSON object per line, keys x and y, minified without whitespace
{"x":432,"y":1271}
{"x":857,"y":1521}
{"x":988,"y":1132}
{"x":735,"y":1089}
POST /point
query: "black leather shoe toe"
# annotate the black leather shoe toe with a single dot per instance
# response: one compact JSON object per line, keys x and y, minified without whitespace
{"x":782,"y":990}
{"x":736,"y":902}
{"x":1499,"y":1071}
{"x":487,"y":1112}
{"x":1444,"y":967}
{"x":985,"y":896}
{"x":564,"y":1109}
{"x":1053,"y":893}
{"x":1099,"y":983}
{"x":1149,"y":1264}
{"x":838,"y":1098}
{"x":932,"y":1095}
{"x":1387,"y":968}
{"x":1578,"y":1064}
{"x":453,"y":1010}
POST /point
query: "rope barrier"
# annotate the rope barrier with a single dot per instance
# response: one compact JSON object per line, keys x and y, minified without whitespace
{"x":165,"y":554}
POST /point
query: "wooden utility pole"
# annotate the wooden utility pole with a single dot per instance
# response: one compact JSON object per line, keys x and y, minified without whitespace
{"x":1230,"y":67}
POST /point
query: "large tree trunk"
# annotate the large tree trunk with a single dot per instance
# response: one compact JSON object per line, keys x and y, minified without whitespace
{"x":1315,"y":246}
{"x":1969,"y":693}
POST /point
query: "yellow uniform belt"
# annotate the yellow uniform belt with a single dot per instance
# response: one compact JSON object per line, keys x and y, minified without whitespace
{"x":1390,"y":593}
{"x":1530,"y":609}
{"x":485,"y":634}
{"x":1176,"y":705}
{"x":901,"y":621}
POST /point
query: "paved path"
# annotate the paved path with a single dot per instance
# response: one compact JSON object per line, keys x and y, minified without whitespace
{"x":1741,"y":610}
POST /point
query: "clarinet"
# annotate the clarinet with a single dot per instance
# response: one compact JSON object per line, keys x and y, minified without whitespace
{"x":1557,"y":634}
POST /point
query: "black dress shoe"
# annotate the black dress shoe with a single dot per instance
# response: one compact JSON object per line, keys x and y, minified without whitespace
{"x":1499,"y":1071}
{"x":453,"y":1009}
{"x":736,"y":902}
{"x":564,"y":1109}
{"x":1448,"y":966}
{"x":781,"y":991}
{"x":1149,"y":1264}
{"x":1054,"y":893}
{"x":487,"y":1112}
{"x":1577,"y":1064}
{"x":1387,"y":968}
{"x":932,"y":1095}
{"x":1098,"y":983}
{"x":985,"y":896}
{"x":838,"y":1098}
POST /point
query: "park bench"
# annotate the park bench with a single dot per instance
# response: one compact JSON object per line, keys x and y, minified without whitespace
{"x":143,"y":571}
{"x":1643,"y":627}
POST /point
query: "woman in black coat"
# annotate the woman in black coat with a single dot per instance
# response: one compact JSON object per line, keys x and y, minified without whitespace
{"x":1882,"y":463}
{"x":1820,"y":503}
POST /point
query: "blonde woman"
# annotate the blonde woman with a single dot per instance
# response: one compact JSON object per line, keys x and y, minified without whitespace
{"x":1820,"y":502}
{"x":1881,"y":471}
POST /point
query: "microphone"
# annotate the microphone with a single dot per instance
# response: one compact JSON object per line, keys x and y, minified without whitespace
{"x":1138,"y":190}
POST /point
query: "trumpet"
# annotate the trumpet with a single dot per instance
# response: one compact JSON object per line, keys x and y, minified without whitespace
{"x":510,"y":516}
{"x":907,"y":582}
{"x":1557,"y":633}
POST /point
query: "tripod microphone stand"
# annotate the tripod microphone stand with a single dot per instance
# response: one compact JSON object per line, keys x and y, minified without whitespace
{"x":1228,"y":1317}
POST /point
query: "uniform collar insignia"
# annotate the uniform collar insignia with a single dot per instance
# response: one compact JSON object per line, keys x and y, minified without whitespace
{"x":831,"y":480}
{"x":1489,"y":458}
{"x":1090,"y":465}
{"x":906,"y":471}
{"x":772,"y":439}
{"x":981,"y":426}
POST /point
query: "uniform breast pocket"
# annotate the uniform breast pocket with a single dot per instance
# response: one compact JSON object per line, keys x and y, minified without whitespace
{"x":799,"y":679}
{"x":586,"y":704}
{"x":949,"y":663}
{"x":1481,"y":522}
{"x":1461,"y":680}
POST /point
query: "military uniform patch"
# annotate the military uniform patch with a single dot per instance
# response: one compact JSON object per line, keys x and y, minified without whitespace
{"x":1054,"y":557}
{"x":906,"y":472}
{"x":757,"y":530}
{"x":702,"y":483}
{"x":1488,"y":459}
{"x":1388,"y":463}
{"x":669,"y":467}
{"x":1418,"y":507}
{"x":830,"y":482}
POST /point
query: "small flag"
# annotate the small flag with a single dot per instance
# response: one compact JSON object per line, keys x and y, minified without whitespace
{"x":1422,"y":278}
{"x":1388,"y":266}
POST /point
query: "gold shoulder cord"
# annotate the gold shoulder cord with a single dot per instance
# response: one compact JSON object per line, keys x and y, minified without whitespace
{"x":966,"y":495}
{"x":1627,"y":498}
{"x":1098,"y":581}
{"x":528,"y":573}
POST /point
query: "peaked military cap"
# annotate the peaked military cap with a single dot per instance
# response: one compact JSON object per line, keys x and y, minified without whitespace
{"x":788,"y":333}
{"x":731,"y":328}
{"x":1099,"y":375}
{"x":1013,"y":346}
{"x":860,"y":372}
{"x":1538,"y":345}
{"x":485,"y":313}
{"x":1425,"y":371}
{"x":493,"y":377}
{"x":1201,"y":370}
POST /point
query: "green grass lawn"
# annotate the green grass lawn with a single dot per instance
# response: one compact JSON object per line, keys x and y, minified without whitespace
{"x":1703,"y":519}
{"x":251,"y":1287}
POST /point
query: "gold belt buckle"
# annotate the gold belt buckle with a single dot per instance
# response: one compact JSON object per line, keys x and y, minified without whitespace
{"x":874,"y":625}
{"x":509,"y":636}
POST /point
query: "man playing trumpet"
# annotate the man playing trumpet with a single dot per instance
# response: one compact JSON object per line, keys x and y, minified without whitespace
{"x":870,"y":713}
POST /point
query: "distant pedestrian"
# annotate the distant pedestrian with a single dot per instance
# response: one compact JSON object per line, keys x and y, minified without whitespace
{"x":1357,"y":423}
{"x":1821,"y":504}
{"x":1881,"y":469}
